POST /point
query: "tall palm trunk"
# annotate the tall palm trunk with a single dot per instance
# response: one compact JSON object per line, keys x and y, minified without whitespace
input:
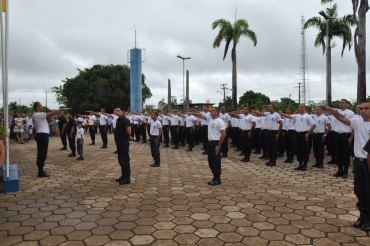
{"x":328,"y":74}
{"x":234,"y":80}
{"x":360,"y":51}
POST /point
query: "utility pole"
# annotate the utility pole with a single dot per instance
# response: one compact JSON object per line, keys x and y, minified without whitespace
{"x":299,"y":93}
{"x":224,"y":88}
{"x":46,"y":100}
{"x":187,"y":91}
{"x":169,"y":105}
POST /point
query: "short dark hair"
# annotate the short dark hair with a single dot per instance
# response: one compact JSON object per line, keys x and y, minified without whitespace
{"x":344,"y":100}
{"x":36,"y":104}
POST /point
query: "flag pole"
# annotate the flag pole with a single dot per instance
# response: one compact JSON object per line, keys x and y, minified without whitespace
{"x":4,"y":24}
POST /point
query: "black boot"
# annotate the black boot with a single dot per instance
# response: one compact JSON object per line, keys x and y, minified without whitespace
{"x":246,"y":159}
{"x":317,"y":163}
{"x":366,"y":225}
{"x":120,"y":178}
{"x":304,"y":167}
{"x":360,"y":221}
{"x":321,"y":164}
{"x":339,"y":173}
{"x":42,"y":173}
{"x":125,"y":180}
{"x":345,"y":172}
{"x":216,"y":180}
{"x":299,"y":167}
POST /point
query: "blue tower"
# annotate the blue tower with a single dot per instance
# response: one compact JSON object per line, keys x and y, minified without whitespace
{"x":136,"y":97}
{"x":136,"y":86}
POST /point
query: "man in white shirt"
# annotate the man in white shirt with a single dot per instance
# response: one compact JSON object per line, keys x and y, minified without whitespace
{"x":361,"y":130}
{"x":42,"y":136}
{"x":204,"y":124}
{"x":289,"y":137}
{"x":225,"y":117}
{"x":175,"y":122}
{"x":341,"y":138}
{"x":304,"y":126}
{"x":216,"y":135}
{"x":322,"y":129}
{"x":103,"y":126}
{"x":92,"y":129}
{"x":165,"y":128}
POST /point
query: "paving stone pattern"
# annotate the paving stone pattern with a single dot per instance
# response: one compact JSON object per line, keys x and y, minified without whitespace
{"x":81,"y":204}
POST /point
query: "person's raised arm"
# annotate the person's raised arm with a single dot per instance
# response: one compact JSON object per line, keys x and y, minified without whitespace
{"x":286,"y":115}
{"x":54,"y":112}
{"x":337,"y":115}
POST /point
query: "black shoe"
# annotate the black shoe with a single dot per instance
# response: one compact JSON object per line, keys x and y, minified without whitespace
{"x":115,"y":152}
{"x":155,"y":165}
{"x":262,"y":157}
{"x":176,"y":147}
{"x":103,"y":147}
{"x":203,"y":149}
{"x":339,"y":173}
{"x":166,"y":146}
{"x":72,"y":155}
{"x":189,"y":150}
{"x":331,"y":162}
{"x":43,"y":174}
{"x":257,"y":152}
{"x":120,"y":179}
{"x":344,"y":175}
{"x":315,"y":165}
{"x":304,"y":168}
{"x":280,"y":155}
{"x":80,"y":158}
{"x":64,"y":148}
{"x":271,"y":163}
{"x":214,"y":182}
{"x":365,"y":226}
{"x":267,"y":162}
{"x":204,"y":153}
{"x":125,"y":181}
{"x":320,"y":166}
{"x":246,"y":159}
{"x":223,"y":156}
{"x":241,"y":154}
{"x":92,"y":143}
{"x":299,"y":167}
{"x":358,"y":224}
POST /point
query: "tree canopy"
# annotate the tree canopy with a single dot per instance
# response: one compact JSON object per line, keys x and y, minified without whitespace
{"x":101,"y":86}
{"x":254,"y":100}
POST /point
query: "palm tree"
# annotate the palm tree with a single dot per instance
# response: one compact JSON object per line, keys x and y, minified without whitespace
{"x":331,"y":26}
{"x":232,"y":33}
{"x":360,"y":47}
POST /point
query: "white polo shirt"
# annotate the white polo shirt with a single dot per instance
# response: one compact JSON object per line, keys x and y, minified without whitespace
{"x":272,"y":121}
{"x":225,"y":118}
{"x":40,"y":122}
{"x":190,"y":120}
{"x":154,"y":127}
{"x":361,"y":131}
{"x":215,"y":126}
{"x":321,"y":122}
{"x":246,"y":122}
{"x":339,"y":127}
{"x":92,"y":120}
{"x":174,"y":120}
{"x":103,"y":119}
{"x":165,"y":120}
{"x":288,"y":124}
{"x":303,"y":122}
{"x":80,"y":133}
{"x":258,"y":122}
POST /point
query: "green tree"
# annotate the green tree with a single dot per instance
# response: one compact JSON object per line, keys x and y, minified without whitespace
{"x":228,"y":104}
{"x":286,"y":102}
{"x":254,"y":100}
{"x":361,"y":7}
{"x":231,"y":33}
{"x":98,"y":87}
{"x":336,"y":27}
{"x":15,"y":108}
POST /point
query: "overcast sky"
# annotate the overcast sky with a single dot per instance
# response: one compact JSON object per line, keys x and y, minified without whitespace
{"x":50,"y":39}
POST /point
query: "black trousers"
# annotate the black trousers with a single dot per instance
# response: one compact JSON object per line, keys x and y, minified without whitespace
{"x":42,"y":140}
{"x":256,"y":143}
{"x":342,"y":149}
{"x":166,"y":135}
{"x":264,"y":138}
{"x":281,"y":142}
{"x":302,"y":147}
{"x":289,"y":144}
{"x":240,"y":139}
{"x":362,"y":186}
{"x":246,"y":143}
{"x":80,"y":147}
{"x":143,"y":133}
{"x":63,"y":137}
{"x":132,"y":130}
{"x":137,"y":132}
{"x":92,"y":133}
{"x":154,"y":149}
{"x":233,"y":134}
{"x":175,"y":135}
{"x":330,"y":144}
{"x":272,"y":145}
{"x":123,"y":147}
{"x":72,"y":143}
{"x":205,"y":137}
{"x":197,"y":134}
{"x":190,"y":137}
{"x":103,"y":134}
{"x":225,"y":143}
{"x":214,"y":161}
{"x":182,"y":135}
{"x":318,"y":146}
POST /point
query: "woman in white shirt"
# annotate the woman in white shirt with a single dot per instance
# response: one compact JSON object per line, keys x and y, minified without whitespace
{"x":19,"y":128}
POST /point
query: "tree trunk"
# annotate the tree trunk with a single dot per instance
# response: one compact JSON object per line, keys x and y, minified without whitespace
{"x":360,"y":51}
{"x":234,"y":80}
{"x":328,"y":75}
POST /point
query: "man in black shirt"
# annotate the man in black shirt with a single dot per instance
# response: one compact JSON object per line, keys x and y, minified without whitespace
{"x":62,"y":123}
{"x":71,"y":133}
{"x":122,"y":135}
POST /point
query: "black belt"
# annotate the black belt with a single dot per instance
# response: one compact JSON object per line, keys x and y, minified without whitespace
{"x":343,"y":133}
{"x":359,"y":159}
{"x":211,"y":141}
{"x":42,"y":133}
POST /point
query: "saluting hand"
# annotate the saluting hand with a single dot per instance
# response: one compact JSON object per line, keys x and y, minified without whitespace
{"x":249,"y":134}
{"x":306,"y":137}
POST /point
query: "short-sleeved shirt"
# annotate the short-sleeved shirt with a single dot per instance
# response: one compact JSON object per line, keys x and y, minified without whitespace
{"x":204,"y":122}
{"x":321,"y":122}
{"x":174,"y":120}
{"x":71,"y":124}
{"x":303,"y":122}
{"x":92,"y":120}
{"x":40,"y":122}
{"x":165,"y":120}
{"x":288,"y":124}
{"x":215,"y":126}
{"x":154,"y":127}
{"x":103,"y":119}
{"x":361,"y":131}
{"x":339,"y":126}
{"x":225,"y":118}
{"x":190,"y":120}
{"x":247,"y":121}
{"x":19,"y":122}
{"x":80,"y":133}
{"x":272,"y":121}
{"x":122,"y":124}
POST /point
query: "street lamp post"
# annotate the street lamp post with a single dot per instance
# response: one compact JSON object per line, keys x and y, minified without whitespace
{"x":183,"y":77}
{"x":328,"y":60}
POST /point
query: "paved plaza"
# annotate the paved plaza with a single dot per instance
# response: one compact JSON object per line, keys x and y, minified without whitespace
{"x":81,"y":204}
